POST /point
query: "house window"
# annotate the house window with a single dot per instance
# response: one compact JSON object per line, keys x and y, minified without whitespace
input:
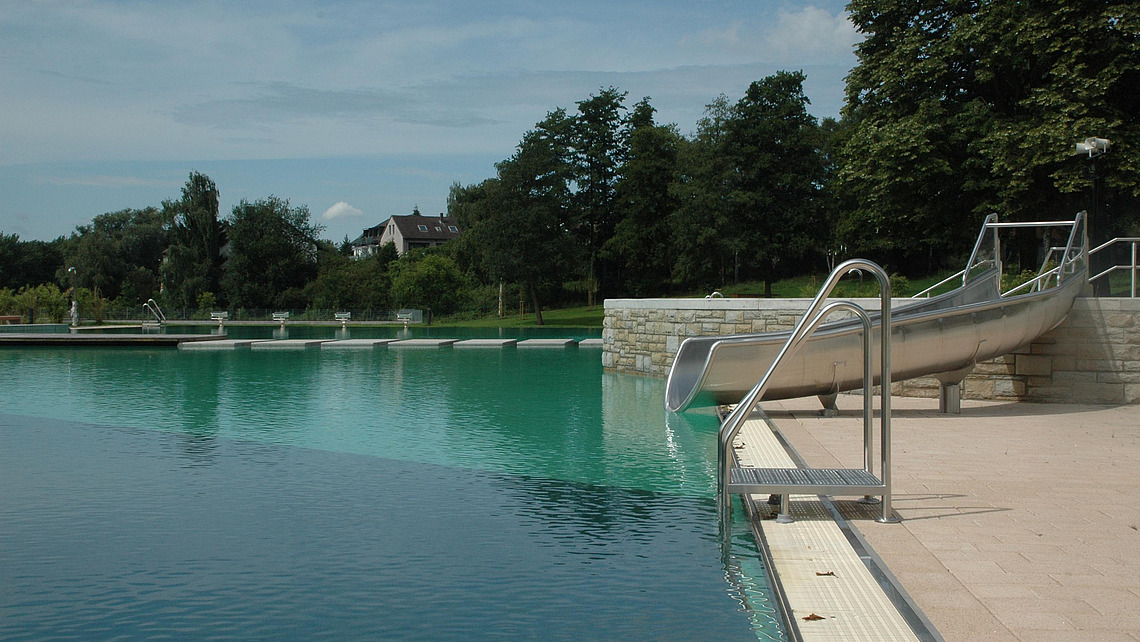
{"x":423,"y":228}
{"x":454,"y":230}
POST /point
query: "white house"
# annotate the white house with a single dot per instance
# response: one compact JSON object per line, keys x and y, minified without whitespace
{"x":406,"y":232}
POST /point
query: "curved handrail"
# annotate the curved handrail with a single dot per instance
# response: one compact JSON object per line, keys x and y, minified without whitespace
{"x":152,"y":306}
{"x":815,"y":315}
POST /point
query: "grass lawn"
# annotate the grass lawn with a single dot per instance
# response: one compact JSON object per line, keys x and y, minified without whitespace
{"x":799,"y":287}
{"x":582,"y":317}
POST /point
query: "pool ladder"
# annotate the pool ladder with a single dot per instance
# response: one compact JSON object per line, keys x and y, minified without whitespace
{"x":733,"y":478}
{"x":159,"y":319}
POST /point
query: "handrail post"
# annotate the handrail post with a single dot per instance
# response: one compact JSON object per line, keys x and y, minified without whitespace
{"x":807,"y":324}
{"x":1133,"y":270}
{"x":886,"y":515}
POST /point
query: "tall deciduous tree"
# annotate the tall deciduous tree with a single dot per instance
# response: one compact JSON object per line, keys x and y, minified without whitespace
{"x":427,"y":279}
{"x":959,"y":109}
{"x":599,"y":150}
{"x":29,"y":262}
{"x":515,"y":226}
{"x":118,"y":255}
{"x":193,"y":262}
{"x":640,"y":246}
{"x":703,"y":256}
{"x":777,"y":179}
{"x":272,"y":254}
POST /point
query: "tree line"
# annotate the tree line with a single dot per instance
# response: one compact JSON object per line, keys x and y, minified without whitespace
{"x":954,"y":111}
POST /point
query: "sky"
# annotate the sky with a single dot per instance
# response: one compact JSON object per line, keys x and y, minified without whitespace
{"x":357,"y":110}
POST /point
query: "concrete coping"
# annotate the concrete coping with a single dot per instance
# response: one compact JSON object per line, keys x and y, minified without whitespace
{"x":742,"y":303}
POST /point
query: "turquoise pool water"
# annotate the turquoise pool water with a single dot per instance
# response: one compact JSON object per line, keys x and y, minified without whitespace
{"x":422,"y":494}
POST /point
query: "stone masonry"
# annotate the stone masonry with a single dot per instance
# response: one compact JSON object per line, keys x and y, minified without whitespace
{"x":1093,"y":356}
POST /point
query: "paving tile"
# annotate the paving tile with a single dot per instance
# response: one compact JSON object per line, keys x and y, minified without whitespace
{"x":1033,"y":509}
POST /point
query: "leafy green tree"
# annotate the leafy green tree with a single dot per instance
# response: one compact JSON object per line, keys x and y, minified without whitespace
{"x":426,"y":279}
{"x":29,"y":262}
{"x":193,"y":262}
{"x":772,"y":144}
{"x":272,"y":254}
{"x":960,"y":109}
{"x":640,"y":245}
{"x":345,"y":283}
{"x":703,"y":257}
{"x":118,"y":255}
{"x":515,"y":225}
{"x":598,"y":153}
{"x":36,"y":302}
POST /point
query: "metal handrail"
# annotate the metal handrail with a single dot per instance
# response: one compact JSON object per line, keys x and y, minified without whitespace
{"x":152,"y":306}
{"x":1133,"y":241}
{"x":1071,"y":252}
{"x":927,"y":291}
{"x":814,"y":315}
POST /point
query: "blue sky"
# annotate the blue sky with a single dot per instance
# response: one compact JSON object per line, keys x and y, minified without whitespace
{"x":359,"y":110}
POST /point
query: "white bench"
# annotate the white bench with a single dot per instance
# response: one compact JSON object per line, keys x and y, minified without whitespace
{"x":281,"y":317}
{"x":343,"y":317}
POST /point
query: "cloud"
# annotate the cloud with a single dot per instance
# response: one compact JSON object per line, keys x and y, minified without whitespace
{"x":341,"y":210}
{"x":812,"y":33}
{"x":807,"y":36}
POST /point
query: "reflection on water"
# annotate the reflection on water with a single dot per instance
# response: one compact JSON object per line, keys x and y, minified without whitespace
{"x":515,"y":450}
{"x":545,"y":412}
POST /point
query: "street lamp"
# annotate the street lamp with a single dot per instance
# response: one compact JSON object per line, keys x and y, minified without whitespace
{"x":74,"y":299}
{"x":1095,"y":148}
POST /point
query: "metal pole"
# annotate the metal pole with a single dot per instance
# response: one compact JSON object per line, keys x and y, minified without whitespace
{"x":885,"y":393}
{"x":1133,"y":272}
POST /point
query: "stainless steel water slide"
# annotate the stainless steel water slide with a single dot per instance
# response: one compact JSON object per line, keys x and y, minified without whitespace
{"x":943,"y":335}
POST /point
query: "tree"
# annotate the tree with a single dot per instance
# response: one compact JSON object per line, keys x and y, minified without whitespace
{"x":272,"y":254}
{"x":772,"y":144}
{"x":599,"y":149}
{"x":516,"y":225}
{"x":426,"y":279}
{"x":193,"y":262}
{"x":751,"y":185}
{"x":959,"y":109}
{"x":28,"y":262}
{"x":703,"y":257}
{"x":346,"y":283}
{"x":118,"y":255}
{"x":640,"y":244}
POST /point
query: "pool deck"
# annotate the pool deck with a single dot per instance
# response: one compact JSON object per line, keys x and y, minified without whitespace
{"x":1019,"y":521}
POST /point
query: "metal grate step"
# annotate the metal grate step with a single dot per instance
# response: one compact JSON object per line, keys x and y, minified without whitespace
{"x":818,"y":481}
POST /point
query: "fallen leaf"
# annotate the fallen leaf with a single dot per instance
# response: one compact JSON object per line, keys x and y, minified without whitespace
{"x":813,"y":617}
{"x":827,"y":574}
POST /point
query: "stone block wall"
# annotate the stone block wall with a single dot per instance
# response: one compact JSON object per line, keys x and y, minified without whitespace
{"x":1093,"y":356}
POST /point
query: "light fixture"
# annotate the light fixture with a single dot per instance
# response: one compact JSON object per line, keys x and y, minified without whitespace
{"x":1094,"y":146}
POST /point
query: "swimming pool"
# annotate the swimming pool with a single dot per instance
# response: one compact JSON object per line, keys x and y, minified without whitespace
{"x":430,"y":494}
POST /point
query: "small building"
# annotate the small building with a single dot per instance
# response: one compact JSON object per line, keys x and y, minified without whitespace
{"x":406,"y":232}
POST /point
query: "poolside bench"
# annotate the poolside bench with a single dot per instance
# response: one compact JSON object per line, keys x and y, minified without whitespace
{"x":282,"y":317}
{"x":9,"y":319}
{"x":343,"y":317}
{"x":405,"y":317}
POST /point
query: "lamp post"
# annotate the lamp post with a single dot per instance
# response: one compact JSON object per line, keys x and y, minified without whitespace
{"x":74,"y":299}
{"x":1095,"y":148}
